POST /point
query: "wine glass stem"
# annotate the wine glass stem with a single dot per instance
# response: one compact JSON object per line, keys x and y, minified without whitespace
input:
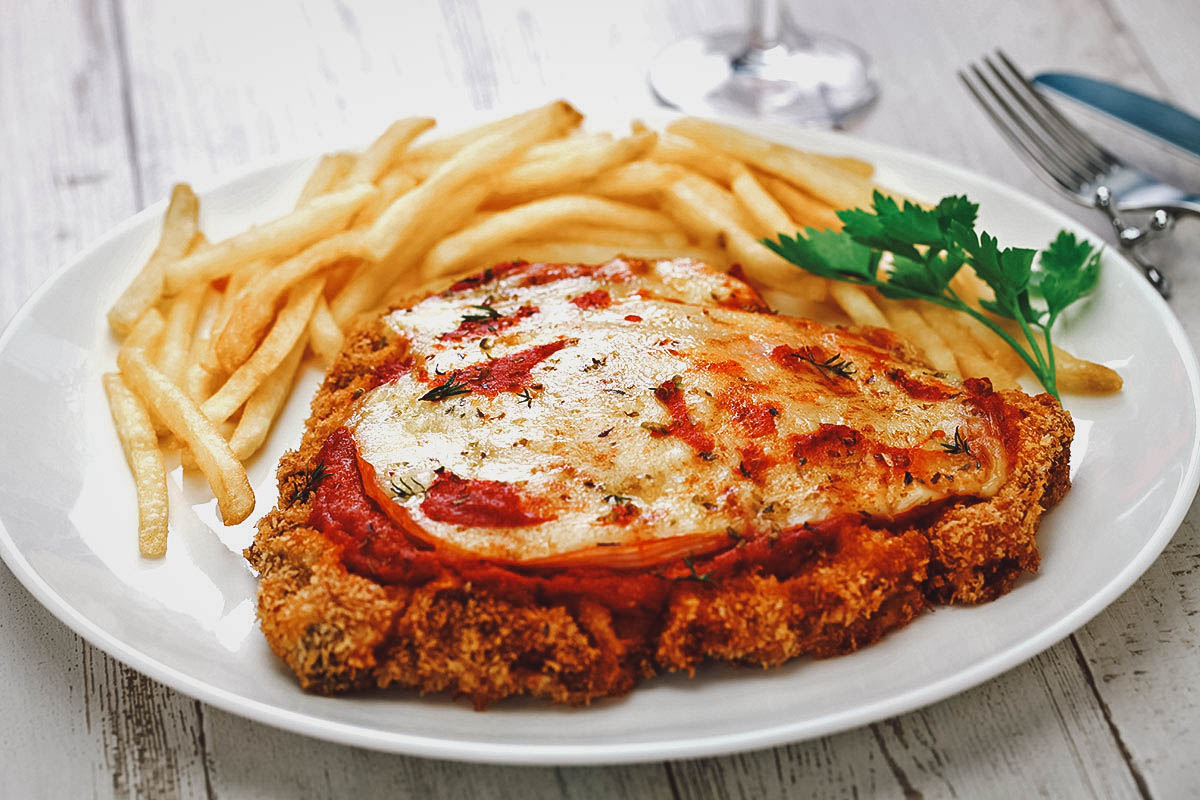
{"x":765,"y":18}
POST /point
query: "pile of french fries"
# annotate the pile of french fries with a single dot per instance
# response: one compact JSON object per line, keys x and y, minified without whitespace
{"x":213,"y":334}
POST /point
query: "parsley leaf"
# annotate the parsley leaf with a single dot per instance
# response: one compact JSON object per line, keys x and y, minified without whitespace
{"x":928,"y":246}
{"x":1061,"y":279}
{"x":828,"y":254}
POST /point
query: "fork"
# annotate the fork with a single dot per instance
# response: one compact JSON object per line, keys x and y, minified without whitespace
{"x":1075,"y":164}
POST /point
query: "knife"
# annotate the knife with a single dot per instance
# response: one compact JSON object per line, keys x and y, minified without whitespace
{"x":1161,"y":120}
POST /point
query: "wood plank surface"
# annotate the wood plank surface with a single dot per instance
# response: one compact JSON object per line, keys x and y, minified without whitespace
{"x":107,"y":103}
{"x":76,"y":723}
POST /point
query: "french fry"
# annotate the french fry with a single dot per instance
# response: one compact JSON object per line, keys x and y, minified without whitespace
{"x":172,"y":358}
{"x":721,"y":168}
{"x":633,"y":180}
{"x":561,"y":114}
{"x":703,"y":208}
{"x":225,"y":474}
{"x":817,"y":176}
{"x":793,"y":305}
{"x":146,"y":332}
{"x":320,"y":217}
{"x":265,"y":404}
{"x":198,"y":383}
{"x":391,"y":186}
{"x":1079,"y":376}
{"x":759,"y":205}
{"x":195,"y":378}
{"x":553,"y":252}
{"x":858,"y":305}
{"x":255,"y":305}
{"x":807,"y":211}
{"x":539,"y":174}
{"x":233,"y":288}
{"x":385,"y":151}
{"x":906,"y":321}
{"x":709,"y":212}
{"x":855,"y":166}
{"x":140,"y":444}
{"x":179,"y":229}
{"x":710,"y":163}
{"x":330,"y":171}
{"x":972,"y":359}
{"x":290,"y":325}
{"x":371,"y":280}
{"x":558,"y":140}
{"x":765,"y":268}
{"x":187,"y":460}
{"x":485,"y":157}
{"x":1073,"y":375}
{"x":971,"y":289}
{"x":472,"y":243}
{"x":323,"y":332}
{"x":613,"y":235}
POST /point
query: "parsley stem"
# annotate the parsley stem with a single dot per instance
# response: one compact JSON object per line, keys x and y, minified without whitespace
{"x":1035,"y":364}
{"x":1044,"y":374}
{"x":1050,"y":348}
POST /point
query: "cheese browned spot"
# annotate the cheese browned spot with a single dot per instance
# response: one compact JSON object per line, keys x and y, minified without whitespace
{"x":630,"y":403}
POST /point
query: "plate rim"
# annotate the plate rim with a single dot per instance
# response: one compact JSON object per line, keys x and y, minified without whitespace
{"x":699,"y":746}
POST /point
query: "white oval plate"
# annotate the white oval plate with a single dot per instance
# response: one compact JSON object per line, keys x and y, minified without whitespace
{"x":68,"y":521}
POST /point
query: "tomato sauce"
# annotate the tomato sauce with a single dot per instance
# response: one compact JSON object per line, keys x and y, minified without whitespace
{"x":754,"y":462}
{"x":600,"y":298}
{"x":478,"y":328}
{"x":389,"y":548}
{"x":509,"y":373}
{"x":391,"y":370}
{"x":541,"y":274}
{"x":682,"y":426}
{"x":919,"y":389}
{"x":756,"y":419}
{"x":743,"y":298}
{"x":831,"y":444}
{"x":483,"y":504}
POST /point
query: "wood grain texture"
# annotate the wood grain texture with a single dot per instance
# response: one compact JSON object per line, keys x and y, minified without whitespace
{"x":77,"y":723}
{"x":115,"y":101}
{"x":1165,"y":33}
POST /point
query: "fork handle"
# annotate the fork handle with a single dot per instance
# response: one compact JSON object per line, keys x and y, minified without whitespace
{"x":1131,"y":237}
{"x":1152,"y":273}
{"x":1189,"y":205}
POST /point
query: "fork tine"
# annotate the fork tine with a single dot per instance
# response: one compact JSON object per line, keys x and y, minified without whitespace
{"x":1026,"y":152}
{"x":1049,"y":151}
{"x":1080,"y":139}
{"x":1067,"y":148}
{"x":1020,"y":134}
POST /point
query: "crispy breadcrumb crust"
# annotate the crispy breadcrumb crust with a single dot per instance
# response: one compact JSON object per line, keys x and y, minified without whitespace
{"x":340,"y":631}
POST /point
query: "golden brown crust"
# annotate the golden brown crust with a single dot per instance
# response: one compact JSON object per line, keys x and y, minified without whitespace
{"x":341,"y":631}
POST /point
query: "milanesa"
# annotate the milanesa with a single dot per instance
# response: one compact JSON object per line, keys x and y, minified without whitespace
{"x":559,"y":479}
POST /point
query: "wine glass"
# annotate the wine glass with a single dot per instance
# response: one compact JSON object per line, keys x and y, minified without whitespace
{"x":774,"y":70}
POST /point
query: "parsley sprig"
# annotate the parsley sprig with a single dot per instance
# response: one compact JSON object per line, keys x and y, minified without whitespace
{"x":929,"y":246}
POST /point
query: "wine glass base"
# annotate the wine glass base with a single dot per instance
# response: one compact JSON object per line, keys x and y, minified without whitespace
{"x":808,"y":78}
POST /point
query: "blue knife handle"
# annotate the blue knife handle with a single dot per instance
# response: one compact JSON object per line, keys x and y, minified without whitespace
{"x":1162,"y":120}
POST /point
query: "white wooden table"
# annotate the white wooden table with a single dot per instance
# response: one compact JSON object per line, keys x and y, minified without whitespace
{"x":105,"y":103}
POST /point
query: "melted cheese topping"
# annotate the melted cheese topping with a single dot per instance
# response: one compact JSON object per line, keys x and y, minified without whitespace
{"x":664,"y":412}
